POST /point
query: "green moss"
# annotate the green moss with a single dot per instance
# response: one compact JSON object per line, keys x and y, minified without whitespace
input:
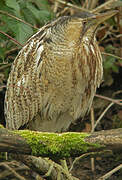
{"x":1,"y":126}
{"x":56,"y":145}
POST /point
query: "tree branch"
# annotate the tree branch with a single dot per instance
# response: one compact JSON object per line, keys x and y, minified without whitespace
{"x":59,"y":145}
{"x":45,"y":167}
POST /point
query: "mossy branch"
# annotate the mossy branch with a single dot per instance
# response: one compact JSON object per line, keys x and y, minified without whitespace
{"x":58,"y":145}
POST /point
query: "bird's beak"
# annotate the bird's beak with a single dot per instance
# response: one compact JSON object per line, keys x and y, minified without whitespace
{"x":98,"y":19}
{"x":95,"y":20}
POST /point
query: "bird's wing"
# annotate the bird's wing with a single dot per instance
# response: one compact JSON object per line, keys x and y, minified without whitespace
{"x":23,"y":98}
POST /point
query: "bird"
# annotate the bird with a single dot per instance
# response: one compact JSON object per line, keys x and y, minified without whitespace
{"x":55,"y":75}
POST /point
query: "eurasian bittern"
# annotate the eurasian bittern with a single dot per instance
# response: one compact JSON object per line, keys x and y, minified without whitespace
{"x":54,"y":77}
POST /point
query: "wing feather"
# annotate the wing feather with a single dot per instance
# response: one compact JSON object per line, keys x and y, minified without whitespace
{"x":22,"y":101}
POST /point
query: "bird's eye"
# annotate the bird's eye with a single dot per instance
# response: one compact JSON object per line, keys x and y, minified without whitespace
{"x":84,"y":23}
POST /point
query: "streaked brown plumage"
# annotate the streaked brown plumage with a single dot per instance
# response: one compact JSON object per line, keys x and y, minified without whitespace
{"x":54,"y":77}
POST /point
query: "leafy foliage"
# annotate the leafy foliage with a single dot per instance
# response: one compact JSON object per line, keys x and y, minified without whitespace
{"x":34,"y":12}
{"x":110,"y":65}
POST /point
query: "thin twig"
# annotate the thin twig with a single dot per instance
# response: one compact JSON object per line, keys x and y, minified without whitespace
{"x":6,"y":173}
{"x":87,"y":155}
{"x":108,"y":54}
{"x":103,"y":6}
{"x":73,"y":6}
{"x":13,"y":171}
{"x":14,"y":40}
{"x":56,"y":4}
{"x":116,"y":101}
{"x":107,"y":175}
{"x":78,"y":159}
{"x":5,"y":66}
{"x":86,"y":4}
{"x":64,"y":164}
{"x":3,"y":86}
{"x":117,"y":92}
{"x":11,"y":51}
{"x":92,"y":117}
{"x":100,"y":117}
{"x":92,"y":126}
{"x":92,"y":165}
{"x":93,"y":4}
{"x":18,"y":19}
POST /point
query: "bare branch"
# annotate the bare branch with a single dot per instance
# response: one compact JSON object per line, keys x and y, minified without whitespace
{"x":18,"y":19}
{"x":107,"y":175}
{"x":116,"y":101}
{"x":12,"y":39}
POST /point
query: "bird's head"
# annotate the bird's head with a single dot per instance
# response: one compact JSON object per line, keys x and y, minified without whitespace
{"x":68,"y":32}
{"x":91,"y":22}
{"x":83,"y":25}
